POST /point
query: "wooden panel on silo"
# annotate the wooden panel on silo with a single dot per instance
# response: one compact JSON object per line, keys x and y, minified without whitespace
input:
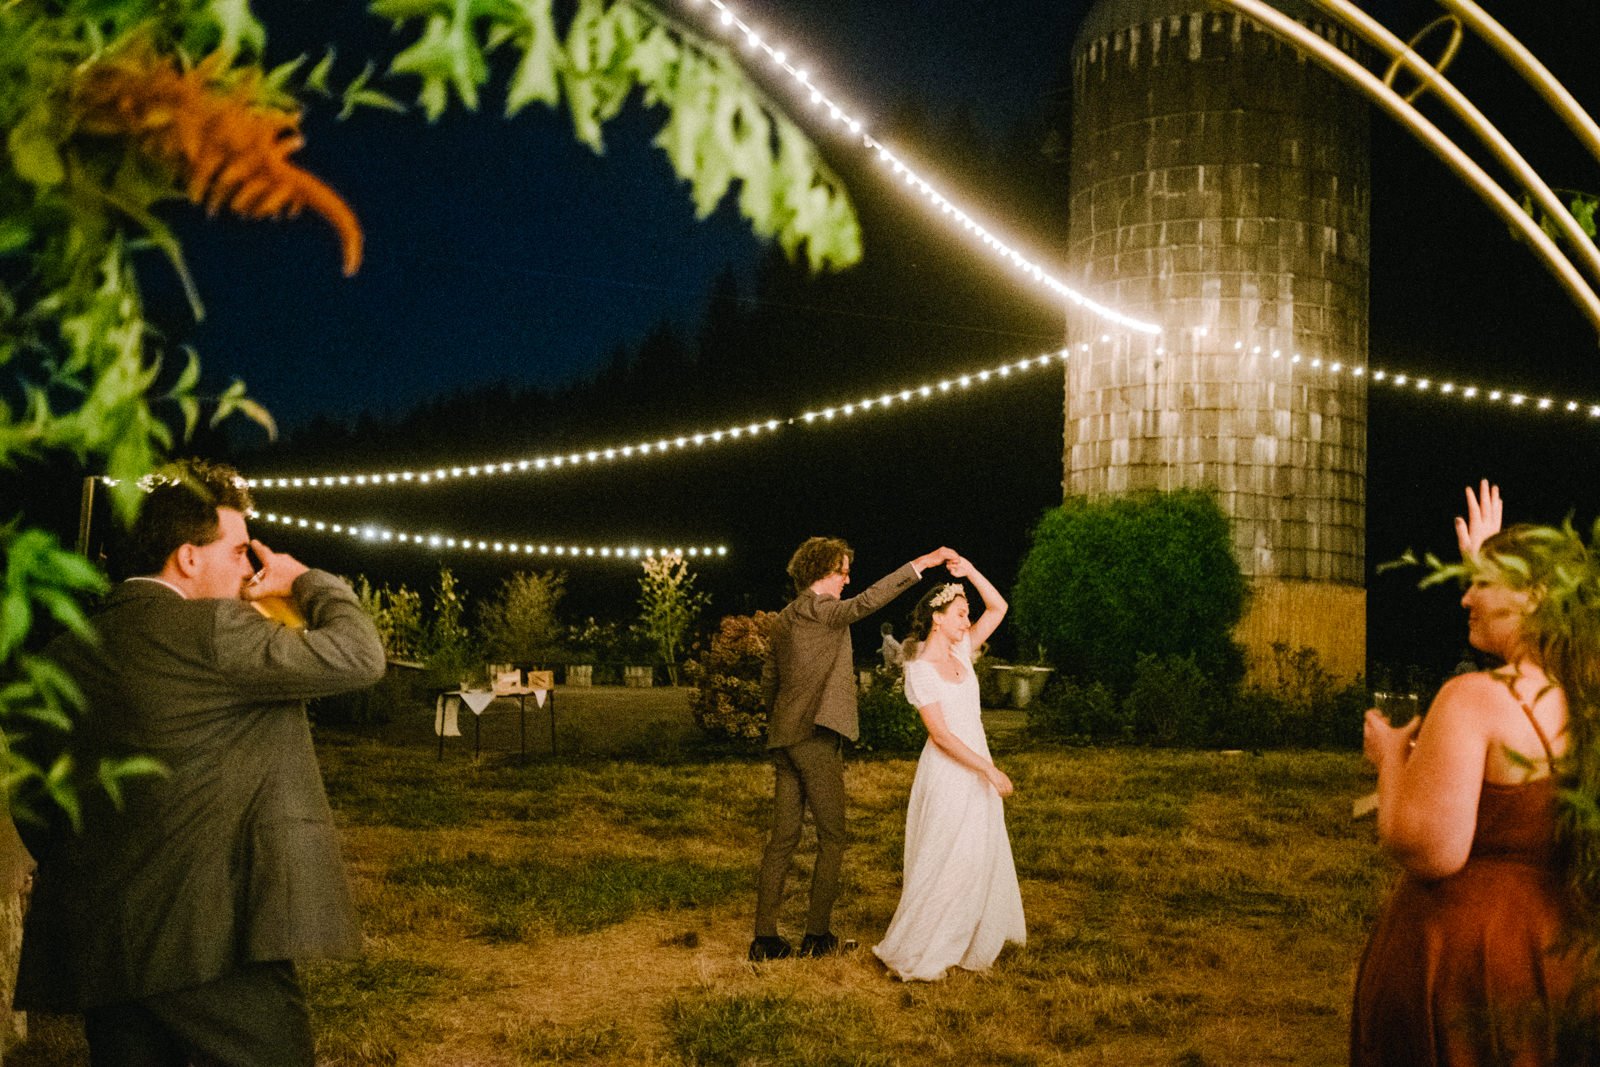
{"x":1220,"y":187}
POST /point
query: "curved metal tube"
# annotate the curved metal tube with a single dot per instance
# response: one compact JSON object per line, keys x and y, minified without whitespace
{"x":1302,"y":39}
{"x":1535,"y":72}
{"x":1433,"y":78}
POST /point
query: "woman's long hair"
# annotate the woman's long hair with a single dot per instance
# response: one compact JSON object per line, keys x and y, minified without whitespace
{"x":922,"y":616}
{"x":1562,"y":632}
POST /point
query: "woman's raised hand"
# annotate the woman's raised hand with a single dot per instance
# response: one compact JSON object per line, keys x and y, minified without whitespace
{"x":959,"y":567}
{"x":1482,"y":521}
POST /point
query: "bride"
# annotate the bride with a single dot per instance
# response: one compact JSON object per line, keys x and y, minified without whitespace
{"x":960,"y":902}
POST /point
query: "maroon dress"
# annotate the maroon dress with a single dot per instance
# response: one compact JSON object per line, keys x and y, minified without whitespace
{"x":1469,"y":970}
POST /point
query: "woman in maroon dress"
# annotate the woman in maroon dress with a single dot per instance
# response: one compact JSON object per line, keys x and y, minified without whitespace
{"x":1479,"y":956}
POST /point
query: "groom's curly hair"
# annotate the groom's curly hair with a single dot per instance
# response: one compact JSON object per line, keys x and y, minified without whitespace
{"x":817,"y":558}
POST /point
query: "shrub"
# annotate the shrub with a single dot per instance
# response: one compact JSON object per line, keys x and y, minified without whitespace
{"x":1171,"y":702}
{"x":1301,"y":706}
{"x":726,"y":676}
{"x":668,"y":607}
{"x":1069,"y":711}
{"x":888,"y":721}
{"x":448,"y":647}
{"x":397,"y":614}
{"x":1107,"y":581}
{"x":519,"y":624}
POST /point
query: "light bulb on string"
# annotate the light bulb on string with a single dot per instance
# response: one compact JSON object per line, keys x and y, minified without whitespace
{"x":381,"y":535}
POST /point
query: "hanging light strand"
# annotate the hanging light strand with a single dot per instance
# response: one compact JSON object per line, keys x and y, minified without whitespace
{"x":729,"y":22}
{"x":677,"y":443}
{"x":382,"y":535}
{"x":823,"y":415}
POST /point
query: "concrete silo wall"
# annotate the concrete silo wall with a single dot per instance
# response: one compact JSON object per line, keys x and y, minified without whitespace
{"x":1220,"y":188}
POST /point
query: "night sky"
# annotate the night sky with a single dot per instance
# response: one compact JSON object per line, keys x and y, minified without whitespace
{"x":504,"y":250}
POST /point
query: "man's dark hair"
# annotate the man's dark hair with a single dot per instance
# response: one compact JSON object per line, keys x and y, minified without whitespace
{"x":181,"y":509}
{"x":817,"y":558}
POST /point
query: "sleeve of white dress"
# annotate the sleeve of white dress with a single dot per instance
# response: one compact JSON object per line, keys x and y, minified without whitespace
{"x":919,"y":689}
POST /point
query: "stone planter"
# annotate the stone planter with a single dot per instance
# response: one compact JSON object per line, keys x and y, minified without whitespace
{"x":1026,"y":683}
{"x":638,"y":677}
{"x":580,"y":674}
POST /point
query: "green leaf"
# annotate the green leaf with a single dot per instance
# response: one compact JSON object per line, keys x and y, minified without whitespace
{"x":112,"y":773}
{"x":15,"y":233}
{"x":534,"y":79}
{"x":16,"y":618}
{"x":58,"y":785}
{"x":239,"y":30}
{"x":401,"y":10}
{"x":34,"y":144}
{"x":1583,"y":209}
{"x":445,"y":57}
{"x":317,"y":79}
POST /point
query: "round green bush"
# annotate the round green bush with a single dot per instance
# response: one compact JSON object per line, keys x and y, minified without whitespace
{"x":1107,"y":581}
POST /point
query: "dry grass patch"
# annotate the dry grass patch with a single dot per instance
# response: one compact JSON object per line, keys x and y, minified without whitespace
{"x":1184,"y":909}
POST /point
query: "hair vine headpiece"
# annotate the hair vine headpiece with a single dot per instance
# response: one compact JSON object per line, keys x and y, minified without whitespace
{"x":947,"y":594}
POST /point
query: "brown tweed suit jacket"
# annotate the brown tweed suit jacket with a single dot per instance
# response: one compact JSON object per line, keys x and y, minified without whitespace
{"x":231,"y":856}
{"x":809,"y":676}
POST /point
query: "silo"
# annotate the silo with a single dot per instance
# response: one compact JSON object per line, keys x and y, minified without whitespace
{"x":1219,"y":187}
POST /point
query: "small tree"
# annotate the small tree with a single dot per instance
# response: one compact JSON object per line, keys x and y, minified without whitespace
{"x":520,"y":625}
{"x":1108,"y":581}
{"x":448,"y":649}
{"x":726,"y":702}
{"x":669,"y":606}
{"x":397,"y":615}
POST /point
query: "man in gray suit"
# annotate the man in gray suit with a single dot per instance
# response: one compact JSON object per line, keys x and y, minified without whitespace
{"x":808,"y":684}
{"x":173,"y":923}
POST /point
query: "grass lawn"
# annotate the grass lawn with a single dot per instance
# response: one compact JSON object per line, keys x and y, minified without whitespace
{"x":1184,"y":908}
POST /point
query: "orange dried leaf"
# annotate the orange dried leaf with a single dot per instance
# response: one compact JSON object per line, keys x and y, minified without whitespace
{"x":230,"y":149}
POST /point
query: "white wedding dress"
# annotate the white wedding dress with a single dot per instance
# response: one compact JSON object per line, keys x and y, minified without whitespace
{"x":960,"y":902}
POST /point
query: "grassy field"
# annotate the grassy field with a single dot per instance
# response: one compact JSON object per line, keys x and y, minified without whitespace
{"x":1184,"y":908}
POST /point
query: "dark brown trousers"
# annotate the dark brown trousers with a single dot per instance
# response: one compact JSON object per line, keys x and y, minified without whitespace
{"x":809,"y":774}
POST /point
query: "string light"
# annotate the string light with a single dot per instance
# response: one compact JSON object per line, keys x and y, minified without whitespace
{"x":731,"y":22}
{"x":881,"y":402}
{"x":676,"y":443}
{"x":368,"y":533}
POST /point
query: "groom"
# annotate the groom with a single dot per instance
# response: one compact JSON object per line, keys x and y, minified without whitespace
{"x":808,"y":685}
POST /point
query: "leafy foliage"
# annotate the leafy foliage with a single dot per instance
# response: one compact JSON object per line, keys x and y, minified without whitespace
{"x":519,"y":624}
{"x":1105,"y":582}
{"x":397,"y":614}
{"x":719,"y":129}
{"x":107,"y":113}
{"x":669,"y":607}
{"x":448,"y":647}
{"x":37,"y":696}
{"x":888,"y":721}
{"x":1069,"y":711}
{"x":726,"y":675}
{"x":1583,"y":207}
{"x":1171,"y":702}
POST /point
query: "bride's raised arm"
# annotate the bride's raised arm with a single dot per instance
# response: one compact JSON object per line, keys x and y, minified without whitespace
{"x":994,"y":605}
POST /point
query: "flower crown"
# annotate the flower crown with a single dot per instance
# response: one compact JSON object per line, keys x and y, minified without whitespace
{"x":947,"y":594}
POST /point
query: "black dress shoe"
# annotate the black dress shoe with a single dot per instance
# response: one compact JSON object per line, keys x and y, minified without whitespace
{"x":770,"y":948}
{"x":815,"y":945}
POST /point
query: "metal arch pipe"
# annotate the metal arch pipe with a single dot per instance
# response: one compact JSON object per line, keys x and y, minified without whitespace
{"x":1533,"y":71}
{"x":1302,"y":39}
{"x":1434,"y":79}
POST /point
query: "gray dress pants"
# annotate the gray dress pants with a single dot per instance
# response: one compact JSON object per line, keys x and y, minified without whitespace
{"x":810,"y":774}
{"x":255,"y":1016}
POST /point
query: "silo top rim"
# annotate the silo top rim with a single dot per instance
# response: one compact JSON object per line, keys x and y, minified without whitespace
{"x":1109,"y":16}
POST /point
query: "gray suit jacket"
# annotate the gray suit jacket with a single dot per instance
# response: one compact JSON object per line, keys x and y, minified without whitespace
{"x":231,"y":857}
{"x":809,"y":677}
